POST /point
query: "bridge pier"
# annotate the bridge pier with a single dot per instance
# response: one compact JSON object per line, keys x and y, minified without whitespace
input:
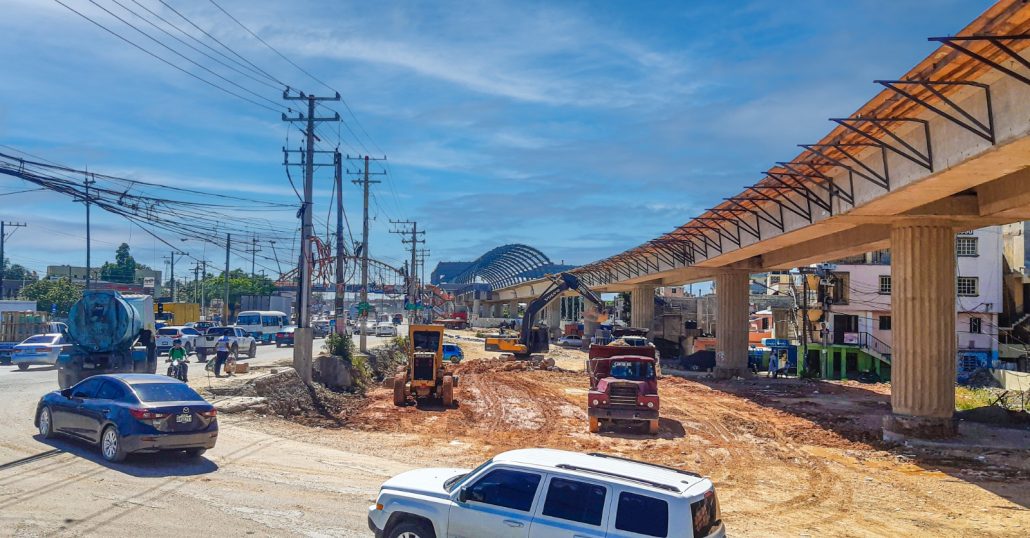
{"x":552,"y":313}
{"x":513,"y":309}
{"x":731,"y":296}
{"x":476,"y":312}
{"x":923,"y":318}
{"x":641,"y":306}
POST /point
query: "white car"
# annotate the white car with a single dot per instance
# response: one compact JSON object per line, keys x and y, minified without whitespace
{"x":386,"y":328}
{"x":548,"y":493}
{"x":570,"y":341}
{"x":166,"y":336}
{"x":39,"y":350}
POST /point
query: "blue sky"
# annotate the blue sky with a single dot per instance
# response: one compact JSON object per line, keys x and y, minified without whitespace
{"x":581,"y":128}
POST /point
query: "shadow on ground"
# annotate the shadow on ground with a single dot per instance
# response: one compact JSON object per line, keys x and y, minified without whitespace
{"x":155,"y":465}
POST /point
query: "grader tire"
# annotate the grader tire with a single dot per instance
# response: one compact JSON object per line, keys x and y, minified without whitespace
{"x":447,"y":391}
{"x":652,"y":426}
{"x":399,"y":398}
{"x":595,"y":425}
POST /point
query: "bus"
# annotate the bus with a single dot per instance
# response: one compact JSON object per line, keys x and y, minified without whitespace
{"x":262,"y":324}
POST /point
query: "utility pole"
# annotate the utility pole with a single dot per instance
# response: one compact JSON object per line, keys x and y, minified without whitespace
{"x":303,"y":337}
{"x":363,"y":307}
{"x":203,"y":287}
{"x":86,"y":182}
{"x":412,"y":274}
{"x":196,"y":282}
{"x":171,"y":260}
{"x":422,"y":255}
{"x":225,"y":299}
{"x":341,"y":284}
{"x":253,"y":250}
{"x":3,"y":260}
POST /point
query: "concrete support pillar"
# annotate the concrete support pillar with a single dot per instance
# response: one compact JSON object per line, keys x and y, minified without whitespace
{"x":475,"y":309}
{"x":513,"y":309}
{"x":552,"y":313}
{"x":641,"y":306}
{"x":923,"y":319}
{"x":590,"y":325}
{"x":731,"y":322}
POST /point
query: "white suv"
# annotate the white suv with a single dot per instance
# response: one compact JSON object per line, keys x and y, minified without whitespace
{"x":548,"y":493}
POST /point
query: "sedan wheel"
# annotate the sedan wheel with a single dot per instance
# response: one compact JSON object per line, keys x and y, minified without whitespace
{"x":111,"y":445}
{"x":46,"y":423}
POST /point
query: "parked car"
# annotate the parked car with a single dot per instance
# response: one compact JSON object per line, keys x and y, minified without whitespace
{"x":239,"y":342}
{"x":570,"y":341}
{"x":284,"y":336}
{"x":38,"y":350}
{"x":453,"y":353}
{"x":544,"y":492}
{"x":128,"y":413}
{"x":386,"y":328}
{"x":320,"y":328}
{"x":166,"y":336}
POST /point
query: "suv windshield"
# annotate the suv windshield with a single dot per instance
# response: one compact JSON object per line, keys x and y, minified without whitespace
{"x":632,"y":370}
{"x":452,"y":482}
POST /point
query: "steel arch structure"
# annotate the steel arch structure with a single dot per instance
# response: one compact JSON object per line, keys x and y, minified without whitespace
{"x":506,"y":265}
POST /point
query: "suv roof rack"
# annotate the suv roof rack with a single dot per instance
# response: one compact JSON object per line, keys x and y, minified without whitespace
{"x":666,"y":467}
{"x":659,"y":485}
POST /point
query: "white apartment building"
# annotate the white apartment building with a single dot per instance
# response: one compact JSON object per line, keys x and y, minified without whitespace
{"x":863,"y":303}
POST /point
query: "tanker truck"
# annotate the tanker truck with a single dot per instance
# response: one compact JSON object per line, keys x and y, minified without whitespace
{"x":109,"y":333}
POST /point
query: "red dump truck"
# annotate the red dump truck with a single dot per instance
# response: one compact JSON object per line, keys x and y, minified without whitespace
{"x":623,"y":386}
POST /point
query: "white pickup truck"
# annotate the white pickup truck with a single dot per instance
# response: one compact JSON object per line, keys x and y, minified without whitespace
{"x":239,"y":342}
{"x":548,"y":494}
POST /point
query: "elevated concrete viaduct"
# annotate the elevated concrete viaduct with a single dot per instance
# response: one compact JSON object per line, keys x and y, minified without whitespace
{"x":943,"y":149}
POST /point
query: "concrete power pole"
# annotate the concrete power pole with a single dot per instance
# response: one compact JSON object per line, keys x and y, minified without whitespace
{"x":253,"y":250}
{"x":225,"y":298}
{"x":171,"y":278}
{"x":414,"y":242}
{"x":339,"y":307}
{"x":303,"y":335}
{"x":364,"y":306}
{"x":3,"y":260}
{"x":422,"y":255}
{"x":86,"y":183}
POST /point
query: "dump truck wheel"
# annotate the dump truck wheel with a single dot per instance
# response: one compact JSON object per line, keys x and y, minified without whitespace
{"x":652,"y":426}
{"x":595,"y":425}
{"x":399,"y":398}
{"x":447,"y":391}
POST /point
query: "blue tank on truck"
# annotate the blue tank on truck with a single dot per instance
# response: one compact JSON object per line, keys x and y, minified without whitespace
{"x":109,"y":333}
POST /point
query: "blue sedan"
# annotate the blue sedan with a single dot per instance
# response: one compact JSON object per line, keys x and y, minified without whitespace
{"x":453,"y":353}
{"x":128,"y":413}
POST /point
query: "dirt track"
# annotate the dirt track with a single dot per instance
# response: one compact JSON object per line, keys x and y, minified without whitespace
{"x":810,"y":467}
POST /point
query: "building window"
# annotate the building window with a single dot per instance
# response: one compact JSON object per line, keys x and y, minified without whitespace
{"x":885,"y":323}
{"x":885,"y":284}
{"x":968,"y":286}
{"x":975,"y":325}
{"x":967,"y":246}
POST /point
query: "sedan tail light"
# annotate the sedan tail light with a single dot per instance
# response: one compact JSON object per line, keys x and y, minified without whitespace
{"x":42,"y":350}
{"x":209,"y":414}
{"x":146,"y":414}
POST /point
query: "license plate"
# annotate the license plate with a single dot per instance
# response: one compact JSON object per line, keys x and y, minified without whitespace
{"x":184,"y":419}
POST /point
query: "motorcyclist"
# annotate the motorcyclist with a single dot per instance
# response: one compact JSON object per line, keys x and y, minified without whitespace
{"x":177,"y":356}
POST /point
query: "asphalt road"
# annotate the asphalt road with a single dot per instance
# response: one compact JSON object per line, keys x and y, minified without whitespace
{"x":251,"y":483}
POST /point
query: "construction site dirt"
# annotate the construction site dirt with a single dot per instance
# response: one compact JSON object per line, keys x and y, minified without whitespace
{"x":788,"y":457}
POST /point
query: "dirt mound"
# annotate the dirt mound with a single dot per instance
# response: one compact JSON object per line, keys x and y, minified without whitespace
{"x":287,"y":396}
{"x":994,"y":414}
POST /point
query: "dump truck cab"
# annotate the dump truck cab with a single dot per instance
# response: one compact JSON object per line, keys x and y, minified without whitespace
{"x":425,"y":375}
{"x":623,"y":386}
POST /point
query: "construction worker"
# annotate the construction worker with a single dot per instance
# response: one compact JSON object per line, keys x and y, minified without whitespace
{"x":774,"y":363}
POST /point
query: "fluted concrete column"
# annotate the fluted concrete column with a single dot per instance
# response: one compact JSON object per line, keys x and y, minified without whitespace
{"x":552,"y":312}
{"x":731,"y":324}
{"x":513,"y":309}
{"x":641,"y":306}
{"x":476,"y":312}
{"x":923,"y":319}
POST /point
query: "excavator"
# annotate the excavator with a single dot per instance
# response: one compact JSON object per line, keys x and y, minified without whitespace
{"x":533,"y":340}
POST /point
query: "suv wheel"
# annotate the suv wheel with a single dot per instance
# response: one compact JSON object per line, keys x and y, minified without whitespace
{"x":411,"y":529}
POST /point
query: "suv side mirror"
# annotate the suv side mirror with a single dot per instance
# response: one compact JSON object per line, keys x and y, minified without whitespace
{"x":67,"y":393}
{"x":463,"y":495}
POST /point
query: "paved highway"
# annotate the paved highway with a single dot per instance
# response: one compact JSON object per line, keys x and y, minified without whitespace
{"x":256,"y":481}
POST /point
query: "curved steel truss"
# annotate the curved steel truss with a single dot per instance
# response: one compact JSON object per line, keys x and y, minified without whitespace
{"x":506,"y":265}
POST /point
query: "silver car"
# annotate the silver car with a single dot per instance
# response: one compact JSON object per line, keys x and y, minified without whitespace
{"x":39,"y":350}
{"x":386,"y":329}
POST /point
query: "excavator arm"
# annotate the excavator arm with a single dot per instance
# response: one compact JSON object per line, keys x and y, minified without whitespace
{"x":560,"y":283}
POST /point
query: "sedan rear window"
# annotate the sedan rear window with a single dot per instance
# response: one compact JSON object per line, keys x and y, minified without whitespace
{"x":165,"y":392}
{"x":168,"y":332}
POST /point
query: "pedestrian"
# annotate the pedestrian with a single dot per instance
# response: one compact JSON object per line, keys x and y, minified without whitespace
{"x":774,"y":363}
{"x":222,"y":351}
{"x":177,"y":356}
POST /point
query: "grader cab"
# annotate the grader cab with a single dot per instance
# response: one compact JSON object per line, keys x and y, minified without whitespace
{"x":425,"y":376}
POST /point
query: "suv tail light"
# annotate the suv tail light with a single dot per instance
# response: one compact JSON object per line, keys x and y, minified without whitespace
{"x":705,"y":514}
{"x":146,"y":414}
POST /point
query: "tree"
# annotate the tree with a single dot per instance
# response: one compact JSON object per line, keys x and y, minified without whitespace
{"x":123,"y":270}
{"x":240,"y":283}
{"x":62,"y":293}
{"x":17,"y":272}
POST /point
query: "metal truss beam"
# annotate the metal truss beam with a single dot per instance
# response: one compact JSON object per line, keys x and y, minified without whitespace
{"x":924,"y":159}
{"x":997,"y":41}
{"x":970,"y":123}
